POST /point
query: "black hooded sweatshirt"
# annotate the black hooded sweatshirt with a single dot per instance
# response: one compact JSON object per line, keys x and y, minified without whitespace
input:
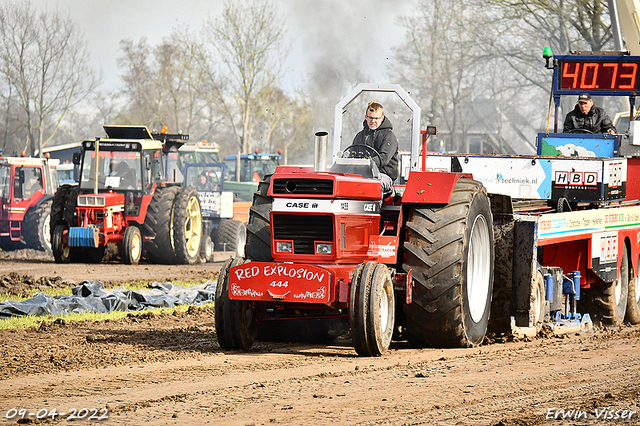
{"x":595,"y":121}
{"x":385,"y":142}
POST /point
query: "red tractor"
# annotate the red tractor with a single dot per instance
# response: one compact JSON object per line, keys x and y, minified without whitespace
{"x":330,"y":245}
{"x":27,"y":186}
{"x":122,"y":198}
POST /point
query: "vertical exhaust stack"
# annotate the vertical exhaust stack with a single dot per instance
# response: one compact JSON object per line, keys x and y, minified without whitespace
{"x":320,"y":164}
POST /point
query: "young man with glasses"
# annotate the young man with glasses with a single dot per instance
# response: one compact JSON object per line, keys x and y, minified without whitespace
{"x":377,"y":133}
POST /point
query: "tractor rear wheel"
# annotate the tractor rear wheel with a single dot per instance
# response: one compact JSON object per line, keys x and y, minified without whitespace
{"x":607,"y":304}
{"x":63,"y":207}
{"x":372,"y":309}
{"x":131,"y":245}
{"x":36,"y":227}
{"x":157,"y":226}
{"x":236,"y":326}
{"x":231,"y":235}
{"x":258,"y":245}
{"x":60,"y":244}
{"x":187,"y":226}
{"x":450,"y":250}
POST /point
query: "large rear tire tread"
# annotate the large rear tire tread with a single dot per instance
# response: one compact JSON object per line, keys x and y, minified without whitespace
{"x":258,"y":246}
{"x":63,"y":207}
{"x":157,"y":226}
{"x":187,"y":226}
{"x":35,"y":226}
{"x":436,"y":249}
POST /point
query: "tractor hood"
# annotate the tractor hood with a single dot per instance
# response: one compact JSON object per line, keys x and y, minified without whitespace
{"x":324,"y":185}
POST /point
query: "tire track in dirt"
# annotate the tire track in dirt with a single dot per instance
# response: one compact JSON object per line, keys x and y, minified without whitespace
{"x":513,"y":383}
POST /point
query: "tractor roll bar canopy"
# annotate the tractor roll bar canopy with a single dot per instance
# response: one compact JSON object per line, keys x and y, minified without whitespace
{"x":388,"y":88}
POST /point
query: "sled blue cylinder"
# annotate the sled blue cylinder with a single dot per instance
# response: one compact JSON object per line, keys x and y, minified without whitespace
{"x":548,"y":287}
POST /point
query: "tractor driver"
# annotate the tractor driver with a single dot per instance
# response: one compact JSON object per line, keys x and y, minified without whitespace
{"x":203,"y":183}
{"x":586,"y":116}
{"x":377,"y":133}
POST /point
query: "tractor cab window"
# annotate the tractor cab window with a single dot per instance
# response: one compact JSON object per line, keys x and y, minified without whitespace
{"x":231,"y":170}
{"x":246,"y":174}
{"x":27,"y":181}
{"x":5,"y":181}
{"x":174,"y":168}
{"x":153,"y":168}
{"x":117,"y":170}
{"x":264,"y":165}
{"x":204,"y":178}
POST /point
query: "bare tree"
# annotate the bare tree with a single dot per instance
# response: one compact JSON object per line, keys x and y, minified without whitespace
{"x":439,"y":64}
{"x":45,"y":64}
{"x":491,"y":50}
{"x":140,"y":89}
{"x":248,"y":38}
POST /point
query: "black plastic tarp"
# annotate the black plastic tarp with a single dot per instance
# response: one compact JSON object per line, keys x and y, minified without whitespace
{"x":93,"y":297}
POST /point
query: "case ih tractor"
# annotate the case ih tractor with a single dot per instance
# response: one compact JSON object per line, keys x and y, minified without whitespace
{"x":522,"y":240}
{"x":27,"y":186}
{"x":122,"y":198}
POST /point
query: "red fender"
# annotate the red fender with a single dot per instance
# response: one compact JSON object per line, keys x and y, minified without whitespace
{"x":431,"y":187}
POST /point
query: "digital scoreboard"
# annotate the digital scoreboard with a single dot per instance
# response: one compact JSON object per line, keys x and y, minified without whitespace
{"x":597,"y":75}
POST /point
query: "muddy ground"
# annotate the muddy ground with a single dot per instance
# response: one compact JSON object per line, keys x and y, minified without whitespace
{"x":169,"y":369}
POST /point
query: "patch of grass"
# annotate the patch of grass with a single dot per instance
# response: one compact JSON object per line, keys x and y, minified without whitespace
{"x":36,"y":321}
{"x":32,"y":320}
{"x":27,"y":294}
{"x":135,"y":285}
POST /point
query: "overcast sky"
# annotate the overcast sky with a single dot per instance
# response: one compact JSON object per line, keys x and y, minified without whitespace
{"x":336,"y":33}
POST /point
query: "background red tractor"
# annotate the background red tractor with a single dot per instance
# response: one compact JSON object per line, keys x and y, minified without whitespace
{"x":122,"y":198}
{"x":27,"y":186}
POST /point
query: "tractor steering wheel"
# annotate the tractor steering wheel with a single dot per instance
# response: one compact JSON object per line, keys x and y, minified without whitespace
{"x":580,"y":131}
{"x":361,"y":151}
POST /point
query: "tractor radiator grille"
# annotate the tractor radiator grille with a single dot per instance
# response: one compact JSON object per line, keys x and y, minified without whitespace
{"x":304,"y":230}
{"x":303,"y":186}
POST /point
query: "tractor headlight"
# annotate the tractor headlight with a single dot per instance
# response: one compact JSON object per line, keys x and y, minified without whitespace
{"x":324,"y":248}
{"x":284,"y":247}
{"x":90,"y":201}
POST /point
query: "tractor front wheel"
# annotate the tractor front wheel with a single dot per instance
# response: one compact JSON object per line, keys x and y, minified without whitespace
{"x":131,"y":245}
{"x":236,"y":326}
{"x":60,"y":244}
{"x":206,"y":250}
{"x":372,"y":309}
{"x":231,"y":235}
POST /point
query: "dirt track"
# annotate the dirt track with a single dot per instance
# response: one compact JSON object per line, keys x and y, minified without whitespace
{"x":168,"y":369}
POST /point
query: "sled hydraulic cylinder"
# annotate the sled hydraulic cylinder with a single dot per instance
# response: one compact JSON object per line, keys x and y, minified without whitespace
{"x":548,"y":286}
